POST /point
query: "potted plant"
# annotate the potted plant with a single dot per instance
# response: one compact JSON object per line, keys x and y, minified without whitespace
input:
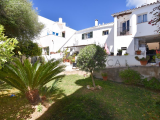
{"x":73,"y":60}
{"x":112,"y":53}
{"x":153,"y":63}
{"x":138,"y":52}
{"x":119,"y":52}
{"x":126,"y":54}
{"x":143,"y":60}
{"x":104,"y":75}
{"x":70,"y":58}
{"x":157,"y":58}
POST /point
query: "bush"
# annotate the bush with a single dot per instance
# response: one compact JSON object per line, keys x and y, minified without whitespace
{"x":104,"y":74}
{"x":153,"y":83}
{"x":91,"y":58}
{"x":130,"y":76}
{"x":142,"y":59}
{"x":41,"y":60}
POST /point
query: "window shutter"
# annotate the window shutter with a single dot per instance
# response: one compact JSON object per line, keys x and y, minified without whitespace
{"x":128,"y":24}
{"x":91,"y":34}
{"x":82,"y":36}
{"x":107,"y":32}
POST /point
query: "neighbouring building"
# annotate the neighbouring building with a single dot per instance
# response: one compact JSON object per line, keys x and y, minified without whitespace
{"x":130,"y":31}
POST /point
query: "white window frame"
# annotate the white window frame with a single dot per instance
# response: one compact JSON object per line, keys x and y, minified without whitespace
{"x":86,"y":35}
{"x":142,"y":18}
{"x":105,"y":31}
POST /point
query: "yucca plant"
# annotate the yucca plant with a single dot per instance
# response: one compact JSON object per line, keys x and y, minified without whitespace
{"x":30,"y":78}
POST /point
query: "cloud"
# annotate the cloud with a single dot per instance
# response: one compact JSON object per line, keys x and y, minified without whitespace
{"x":136,"y":3}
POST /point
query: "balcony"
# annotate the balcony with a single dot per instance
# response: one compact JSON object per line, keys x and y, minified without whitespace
{"x":121,"y":31}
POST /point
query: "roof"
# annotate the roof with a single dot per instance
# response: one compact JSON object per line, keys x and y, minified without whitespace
{"x":78,"y":46}
{"x":96,"y":27}
{"x":130,"y":11}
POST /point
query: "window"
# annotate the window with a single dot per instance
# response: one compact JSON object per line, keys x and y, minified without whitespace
{"x":87,"y":35}
{"x":142,"y":18}
{"x":63,"y":34}
{"x":56,"y":34}
{"x":106,"y":32}
{"x":53,"y":33}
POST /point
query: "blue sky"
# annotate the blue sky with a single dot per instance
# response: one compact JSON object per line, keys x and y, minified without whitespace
{"x":81,"y":14}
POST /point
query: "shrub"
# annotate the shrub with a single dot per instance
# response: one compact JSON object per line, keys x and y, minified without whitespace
{"x":142,"y":59}
{"x":41,"y":59}
{"x":90,"y":58}
{"x":153,"y":83}
{"x":104,"y":74}
{"x":29,"y":79}
{"x":130,"y":76}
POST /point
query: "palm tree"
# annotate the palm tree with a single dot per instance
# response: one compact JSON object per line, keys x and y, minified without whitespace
{"x":30,"y":78}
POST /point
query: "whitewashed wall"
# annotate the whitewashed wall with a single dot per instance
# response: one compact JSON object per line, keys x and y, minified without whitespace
{"x":117,"y":61}
{"x":98,"y":38}
{"x":137,"y":30}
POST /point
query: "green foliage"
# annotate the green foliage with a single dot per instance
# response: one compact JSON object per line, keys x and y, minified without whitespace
{"x":73,"y":60}
{"x":156,"y":56}
{"x":104,"y":74}
{"x":59,"y":51}
{"x":126,"y":54}
{"x":39,"y":108}
{"x":91,"y":57}
{"x":7,"y":46}
{"x":19,"y":19}
{"x":28,"y":48}
{"x":152,"y":83}
{"x":119,"y":50}
{"x":49,"y":91}
{"x":130,"y":76}
{"x":27,"y":77}
{"x":70,"y":57}
{"x":142,"y":59}
{"x":41,"y":59}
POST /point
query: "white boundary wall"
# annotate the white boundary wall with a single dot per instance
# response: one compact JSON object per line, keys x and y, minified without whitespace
{"x":117,"y":61}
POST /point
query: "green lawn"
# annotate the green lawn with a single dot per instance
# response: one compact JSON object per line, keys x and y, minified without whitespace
{"x":114,"y":101}
{"x":73,"y":101}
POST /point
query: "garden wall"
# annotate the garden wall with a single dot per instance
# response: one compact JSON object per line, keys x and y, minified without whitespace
{"x":146,"y":71}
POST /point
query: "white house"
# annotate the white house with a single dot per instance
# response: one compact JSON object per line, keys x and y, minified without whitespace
{"x":130,"y":31}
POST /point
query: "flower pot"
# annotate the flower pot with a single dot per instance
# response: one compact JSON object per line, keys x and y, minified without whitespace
{"x":138,"y":52}
{"x":112,"y":54}
{"x":143,"y":62}
{"x":105,"y":78}
{"x":120,"y":53}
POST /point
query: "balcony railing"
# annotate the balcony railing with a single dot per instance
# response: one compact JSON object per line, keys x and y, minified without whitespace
{"x":121,"y":31}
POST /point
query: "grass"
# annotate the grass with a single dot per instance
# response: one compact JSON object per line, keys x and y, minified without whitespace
{"x":115,"y":101}
{"x":73,"y":101}
{"x":13,"y":108}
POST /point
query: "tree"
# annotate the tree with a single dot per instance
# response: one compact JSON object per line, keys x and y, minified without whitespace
{"x":7,"y":46}
{"x":28,"y":48}
{"x":19,"y":19}
{"x":156,"y":18}
{"x":91,"y":58}
{"x":29,"y":79}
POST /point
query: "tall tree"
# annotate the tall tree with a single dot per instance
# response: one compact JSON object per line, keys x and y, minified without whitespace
{"x":156,"y":18}
{"x":19,"y":19}
{"x":7,"y":46}
{"x":28,"y":48}
{"x":90,"y":58}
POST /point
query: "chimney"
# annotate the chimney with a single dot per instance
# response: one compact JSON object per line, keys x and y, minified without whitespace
{"x":60,"y":20}
{"x":96,"y":22}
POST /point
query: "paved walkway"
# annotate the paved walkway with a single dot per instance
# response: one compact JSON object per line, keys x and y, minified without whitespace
{"x":69,"y":70}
